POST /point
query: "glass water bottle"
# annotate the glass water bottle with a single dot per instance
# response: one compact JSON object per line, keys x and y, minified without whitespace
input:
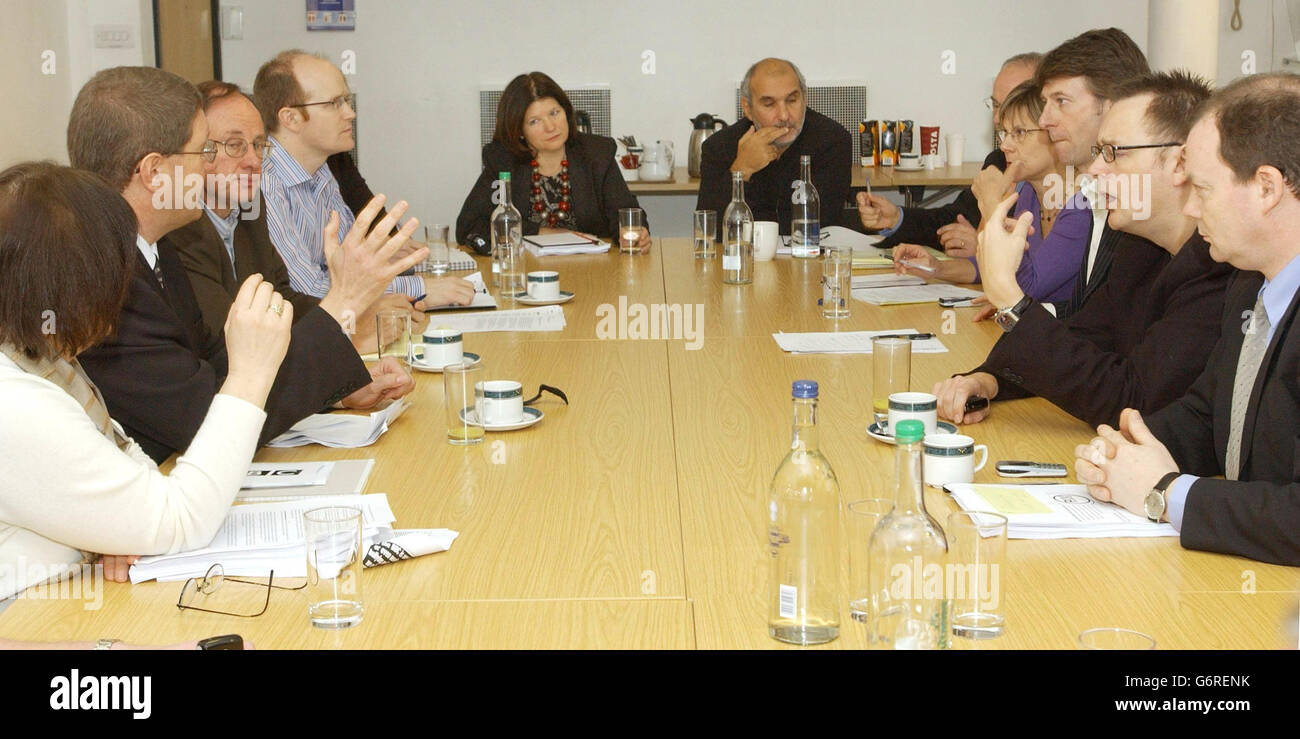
{"x":738,"y":237}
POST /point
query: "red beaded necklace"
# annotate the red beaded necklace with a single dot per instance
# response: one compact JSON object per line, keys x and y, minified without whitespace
{"x":551,"y":212}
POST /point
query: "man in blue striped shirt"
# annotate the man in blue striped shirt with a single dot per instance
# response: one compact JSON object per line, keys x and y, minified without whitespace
{"x":307,"y":108}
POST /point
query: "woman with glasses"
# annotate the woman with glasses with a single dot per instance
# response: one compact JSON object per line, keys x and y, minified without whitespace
{"x":1062,"y":220}
{"x":560,"y":180}
{"x":73,"y":486}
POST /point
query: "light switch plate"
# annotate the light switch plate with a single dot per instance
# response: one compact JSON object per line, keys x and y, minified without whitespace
{"x":232,"y":22}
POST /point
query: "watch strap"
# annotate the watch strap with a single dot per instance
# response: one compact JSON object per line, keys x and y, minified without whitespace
{"x":1166,"y":481}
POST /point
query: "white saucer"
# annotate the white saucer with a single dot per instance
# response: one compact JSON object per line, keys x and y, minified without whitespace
{"x":470,"y":358}
{"x":942,"y":427}
{"x":565,"y":296}
{"x":531,"y":416}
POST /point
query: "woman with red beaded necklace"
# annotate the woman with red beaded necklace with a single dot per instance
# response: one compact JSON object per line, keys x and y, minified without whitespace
{"x":561,"y":180}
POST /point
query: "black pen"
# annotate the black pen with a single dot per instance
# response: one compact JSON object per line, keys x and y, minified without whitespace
{"x":914,"y":337}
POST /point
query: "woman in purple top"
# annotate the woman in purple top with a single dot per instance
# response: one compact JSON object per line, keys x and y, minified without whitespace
{"x":1061,"y":230}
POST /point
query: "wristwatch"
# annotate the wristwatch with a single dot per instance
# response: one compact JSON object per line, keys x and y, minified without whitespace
{"x":1007,"y":318}
{"x":1155,"y":502}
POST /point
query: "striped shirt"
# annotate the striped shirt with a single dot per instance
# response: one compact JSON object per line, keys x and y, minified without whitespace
{"x":298,"y":206}
{"x":226,"y":230}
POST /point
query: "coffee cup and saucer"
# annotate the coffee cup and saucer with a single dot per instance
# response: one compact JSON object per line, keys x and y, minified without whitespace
{"x":543,"y":289}
{"x":499,"y":406}
{"x":922,"y":407}
{"x":441,"y":347}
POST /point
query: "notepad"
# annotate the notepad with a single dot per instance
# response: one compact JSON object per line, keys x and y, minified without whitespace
{"x":560,"y":244}
{"x":909,"y":294}
{"x":1055,"y":512}
{"x":849,"y":342}
{"x":345,"y":477}
{"x":545,"y":318}
{"x":482,"y":298}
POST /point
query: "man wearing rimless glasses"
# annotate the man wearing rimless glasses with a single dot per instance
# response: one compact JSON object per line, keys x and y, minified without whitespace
{"x":308,"y":112}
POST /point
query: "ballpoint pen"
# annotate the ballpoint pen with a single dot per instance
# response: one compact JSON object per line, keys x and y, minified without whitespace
{"x":914,"y":337}
{"x":917,"y":265}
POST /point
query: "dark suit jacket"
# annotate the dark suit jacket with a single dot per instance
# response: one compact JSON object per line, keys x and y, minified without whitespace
{"x":768,"y":190}
{"x":597,"y":188}
{"x":161,"y":368}
{"x":1139,"y":342}
{"x":921,"y":224}
{"x":216,"y":282}
{"x":1257,"y":516}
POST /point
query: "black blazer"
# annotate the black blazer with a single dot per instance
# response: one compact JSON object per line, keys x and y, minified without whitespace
{"x":920,"y":225}
{"x":1140,"y":342}
{"x":1257,"y":516}
{"x":1085,"y":284}
{"x":159,"y":371}
{"x":216,"y":282}
{"x":597,"y":189}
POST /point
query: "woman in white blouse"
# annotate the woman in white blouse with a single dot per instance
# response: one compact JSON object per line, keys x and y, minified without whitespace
{"x":72,"y":486}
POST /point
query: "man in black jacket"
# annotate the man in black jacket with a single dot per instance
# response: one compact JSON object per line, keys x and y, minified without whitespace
{"x":949,"y":227}
{"x":1239,"y":419}
{"x":143,"y":130}
{"x":1145,"y":335}
{"x":765,"y":146}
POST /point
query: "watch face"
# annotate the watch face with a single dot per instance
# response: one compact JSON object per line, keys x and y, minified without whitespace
{"x":1155,"y":505}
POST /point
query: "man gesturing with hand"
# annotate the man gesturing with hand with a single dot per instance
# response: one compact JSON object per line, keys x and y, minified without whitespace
{"x":765,"y":145}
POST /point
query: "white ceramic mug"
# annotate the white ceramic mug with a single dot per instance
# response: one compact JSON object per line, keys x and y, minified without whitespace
{"x":499,"y":401}
{"x":951,"y":458}
{"x":766,"y":237}
{"x":923,"y":407}
{"x":544,"y":285}
{"x":442,"y":346}
{"x":909,"y":161}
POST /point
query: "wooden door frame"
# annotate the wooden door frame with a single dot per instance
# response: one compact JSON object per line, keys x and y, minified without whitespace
{"x":214,"y":13}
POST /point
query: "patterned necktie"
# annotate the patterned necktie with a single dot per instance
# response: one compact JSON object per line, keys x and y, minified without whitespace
{"x":157,"y":272}
{"x":1252,"y":354}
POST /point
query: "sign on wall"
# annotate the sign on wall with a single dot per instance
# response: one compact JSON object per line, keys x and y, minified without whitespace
{"x":331,"y":15}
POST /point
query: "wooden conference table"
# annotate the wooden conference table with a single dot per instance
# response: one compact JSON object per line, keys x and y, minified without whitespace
{"x":636,"y":516}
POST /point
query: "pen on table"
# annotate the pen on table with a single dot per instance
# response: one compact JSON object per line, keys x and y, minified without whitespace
{"x":916,"y":265}
{"x":914,"y":337}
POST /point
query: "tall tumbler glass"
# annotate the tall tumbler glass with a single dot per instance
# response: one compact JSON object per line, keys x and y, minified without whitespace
{"x":891,"y":370}
{"x":334,"y":555}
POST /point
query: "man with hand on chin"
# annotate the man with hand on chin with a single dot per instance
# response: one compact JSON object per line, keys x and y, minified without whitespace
{"x":1145,"y":335}
{"x":1239,"y":418}
{"x":765,"y":146}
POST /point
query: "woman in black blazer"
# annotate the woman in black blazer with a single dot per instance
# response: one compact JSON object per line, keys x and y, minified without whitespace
{"x":560,"y":180}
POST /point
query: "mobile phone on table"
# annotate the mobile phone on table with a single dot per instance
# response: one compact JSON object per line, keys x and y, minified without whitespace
{"x":228,"y":641}
{"x":1020,"y":468}
{"x":956,"y":302}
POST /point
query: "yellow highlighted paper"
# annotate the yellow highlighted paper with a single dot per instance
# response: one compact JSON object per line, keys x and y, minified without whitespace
{"x":1011,"y":500}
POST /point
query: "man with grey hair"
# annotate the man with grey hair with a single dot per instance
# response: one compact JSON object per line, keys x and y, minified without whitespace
{"x":950,"y":227}
{"x":765,"y":146}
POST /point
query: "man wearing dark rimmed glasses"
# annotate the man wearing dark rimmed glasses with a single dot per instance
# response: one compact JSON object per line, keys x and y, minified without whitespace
{"x":308,"y":112}
{"x":1145,"y":335}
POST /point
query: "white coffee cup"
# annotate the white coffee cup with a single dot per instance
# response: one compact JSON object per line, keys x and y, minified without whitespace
{"x":766,"y":237}
{"x":442,"y":346}
{"x":951,"y":458}
{"x":544,"y":285}
{"x":956,"y":149}
{"x":923,"y":407}
{"x":499,"y":401}
{"x":909,"y":161}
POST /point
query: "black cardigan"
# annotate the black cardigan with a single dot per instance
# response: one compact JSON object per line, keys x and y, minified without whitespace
{"x":597,"y":188}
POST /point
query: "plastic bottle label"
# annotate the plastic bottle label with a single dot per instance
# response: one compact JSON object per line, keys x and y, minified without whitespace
{"x":789,"y":600}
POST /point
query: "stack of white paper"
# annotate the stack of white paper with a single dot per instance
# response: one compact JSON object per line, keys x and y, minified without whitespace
{"x":459,"y":261}
{"x":912,"y":293}
{"x":258,"y":538}
{"x":1055,"y":512}
{"x":849,"y":342}
{"x":885,"y":280}
{"x":293,"y":474}
{"x":345,"y":477}
{"x":548,"y":245}
{"x":545,"y":318}
{"x":340,"y":431}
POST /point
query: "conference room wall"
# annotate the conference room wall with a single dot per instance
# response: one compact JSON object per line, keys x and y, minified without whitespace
{"x":420,"y":64}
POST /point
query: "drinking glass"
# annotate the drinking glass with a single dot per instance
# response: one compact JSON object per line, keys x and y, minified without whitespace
{"x":458,"y":382}
{"x":631,"y":228}
{"x":706,"y":234}
{"x":393,"y":334}
{"x":334,"y":554}
{"x":977,"y":555}
{"x":837,"y":282}
{"x":891,"y":370}
{"x":435,"y":237}
{"x":1113,"y":638}
{"x":863,"y":517}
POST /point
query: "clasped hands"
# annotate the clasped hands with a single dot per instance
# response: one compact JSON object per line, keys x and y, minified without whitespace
{"x":1123,"y":465}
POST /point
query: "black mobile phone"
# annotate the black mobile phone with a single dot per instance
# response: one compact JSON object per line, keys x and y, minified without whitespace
{"x":976,"y":403}
{"x":1019,"y":468}
{"x":228,"y":641}
{"x":955,"y":302}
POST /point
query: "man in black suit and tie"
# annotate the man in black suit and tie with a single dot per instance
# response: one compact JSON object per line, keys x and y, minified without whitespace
{"x":143,"y":130}
{"x":1240,"y":418}
{"x":1144,"y":336}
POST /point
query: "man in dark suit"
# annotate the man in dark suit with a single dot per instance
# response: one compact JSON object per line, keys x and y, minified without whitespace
{"x":765,"y":145}
{"x":231,"y":241}
{"x":949,"y":227}
{"x":1239,"y":419}
{"x":1145,"y":334}
{"x":143,"y":130}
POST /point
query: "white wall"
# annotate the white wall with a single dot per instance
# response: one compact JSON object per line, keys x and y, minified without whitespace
{"x":1265,"y":33}
{"x":37,"y":88}
{"x":420,"y":65}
